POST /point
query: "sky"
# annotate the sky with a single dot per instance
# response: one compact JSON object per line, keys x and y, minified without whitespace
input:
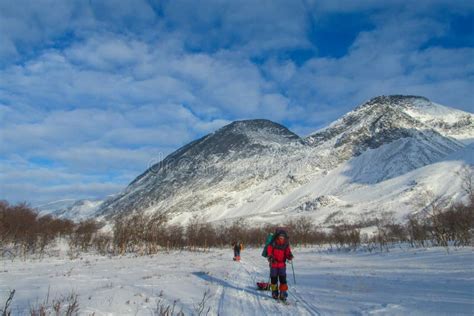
{"x":94,"y":92}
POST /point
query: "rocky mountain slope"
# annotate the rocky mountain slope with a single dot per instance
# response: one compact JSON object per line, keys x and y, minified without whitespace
{"x":261,"y":171}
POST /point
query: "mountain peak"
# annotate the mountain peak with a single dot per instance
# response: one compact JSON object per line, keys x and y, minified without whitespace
{"x":256,"y":129}
{"x":253,"y":123}
{"x":236,"y":140}
{"x":379,"y":121}
{"x":395,"y":100}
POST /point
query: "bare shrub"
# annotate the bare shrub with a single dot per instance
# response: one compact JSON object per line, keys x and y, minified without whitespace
{"x":121,"y":235}
{"x":345,"y":235}
{"x":388,"y":231}
{"x":24,"y":232}
{"x":84,"y":233}
{"x":417,"y":231}
{"x":163,"y":309}
{"x":65,"y":305}
{"x":103,"y":243}
{"x":442,"y":222}
{"x":432,"y":207}
{"x":238,"y":232}
{"x":302,"y":230}
{"x":153,"y":234}
{"x":202,"y":308}
{"x":139,"y":233}
{"x":457,"y":223}
{"x":173,"y":236}
{"x":6,"y":308}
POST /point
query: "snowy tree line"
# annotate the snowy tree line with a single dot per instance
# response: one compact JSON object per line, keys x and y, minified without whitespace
{"x":23,"y":232}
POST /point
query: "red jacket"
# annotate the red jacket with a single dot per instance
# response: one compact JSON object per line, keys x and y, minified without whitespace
{"x":278,"y":253}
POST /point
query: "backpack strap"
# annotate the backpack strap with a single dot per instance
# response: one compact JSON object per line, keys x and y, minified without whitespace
{"x":281,"y":247}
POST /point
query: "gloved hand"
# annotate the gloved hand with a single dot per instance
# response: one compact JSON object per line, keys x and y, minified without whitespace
{"x":270,"y":259}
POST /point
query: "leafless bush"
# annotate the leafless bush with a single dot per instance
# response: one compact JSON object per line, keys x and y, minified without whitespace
{"x":303,"y":230}
{"x":166,"y":310}
{"x":121,"y":235}
{"x":66,"y":305}
{"x":417,"y":231}
{"x":103,"y":243}
{"x":457,"y":224}
{"x":153,"y":234}
{"x":163,"y":309}
{"x":20,"y":226}
{"x":139,"y":233}
{"x":27,"y":233}
{"x":202,"y":308}
{"x":345,"y":235}
{"x":237,"y":232}
{"x":84,"y":233}
{"x":192,"y":233}
{"x":6,"y":309}
{"x":441,"y":222}
{"x":174,"y":237}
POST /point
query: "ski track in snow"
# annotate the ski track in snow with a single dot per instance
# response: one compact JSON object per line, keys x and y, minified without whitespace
{"x":401,"y":282}
{"x":297,"y":298}
{"x":237,"y":291}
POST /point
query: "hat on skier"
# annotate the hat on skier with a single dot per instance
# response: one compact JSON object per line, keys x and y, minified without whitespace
{"x":280,"y":232}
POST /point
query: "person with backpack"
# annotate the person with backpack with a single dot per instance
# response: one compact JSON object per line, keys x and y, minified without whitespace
{"x":278,"y":252}
{"x":237,"y":249}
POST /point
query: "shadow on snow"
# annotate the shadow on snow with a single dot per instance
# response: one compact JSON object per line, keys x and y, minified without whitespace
{"x":212,"y":279}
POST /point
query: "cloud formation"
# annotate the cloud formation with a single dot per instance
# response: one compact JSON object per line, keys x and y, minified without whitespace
{"x":92,"y":92}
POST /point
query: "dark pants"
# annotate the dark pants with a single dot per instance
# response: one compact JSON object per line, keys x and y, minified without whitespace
{"x":236,"y":253}
{"x":278,"y":273}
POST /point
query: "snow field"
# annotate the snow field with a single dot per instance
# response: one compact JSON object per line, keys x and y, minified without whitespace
{"x":401,"y":282}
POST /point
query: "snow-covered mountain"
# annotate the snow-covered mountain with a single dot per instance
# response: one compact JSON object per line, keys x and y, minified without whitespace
{"x":377,"y":158}
{"x":381,"y":121}
{"x":211,"y":170}
{"x":71,"y":209}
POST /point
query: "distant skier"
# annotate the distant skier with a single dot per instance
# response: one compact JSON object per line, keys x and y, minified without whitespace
{"x":278,"y":252}
{"x":237,"y":249}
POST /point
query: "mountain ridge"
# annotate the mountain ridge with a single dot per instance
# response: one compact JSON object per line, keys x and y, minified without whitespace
{"x":251,"y":168}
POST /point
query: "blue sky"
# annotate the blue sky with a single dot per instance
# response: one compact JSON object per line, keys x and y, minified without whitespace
{"x":93,"y":92}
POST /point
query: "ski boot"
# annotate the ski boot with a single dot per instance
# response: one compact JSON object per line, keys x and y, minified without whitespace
{"x":283,"y":292}
{"x":274,"y":289}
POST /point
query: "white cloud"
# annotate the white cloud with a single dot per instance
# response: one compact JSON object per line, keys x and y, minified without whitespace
{"x":108,"y":53}
{"x":37,"y":24}
{"x":30,"y":193}
{"x":22,"y":181}
{"x":251,"y":27}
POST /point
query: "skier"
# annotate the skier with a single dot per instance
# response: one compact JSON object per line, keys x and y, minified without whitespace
{"x":278,"y":252}
{"x":237,"y":249}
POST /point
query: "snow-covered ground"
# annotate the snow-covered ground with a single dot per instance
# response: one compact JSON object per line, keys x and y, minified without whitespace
{"x":400,"y":282}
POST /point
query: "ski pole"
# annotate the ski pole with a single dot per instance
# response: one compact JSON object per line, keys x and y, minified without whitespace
{"x":293,"y":268}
